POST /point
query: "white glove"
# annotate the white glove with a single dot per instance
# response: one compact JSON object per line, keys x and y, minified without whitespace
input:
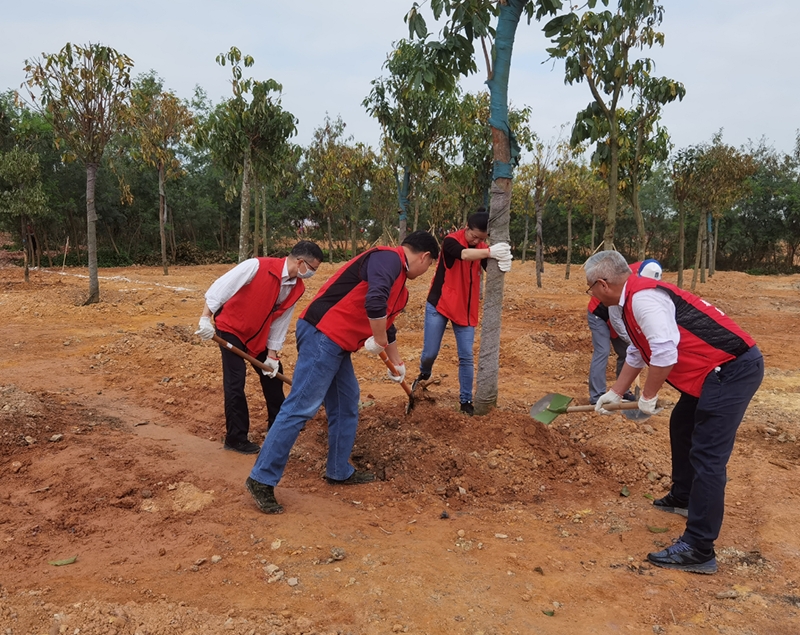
{"x":606,"y":400}
{"x":648,"y":406}
{"x":206,"y":330}
{"x":500,"y":251}
{"x":372,"y":346}
{"x":401,"y":369}
{"x":272,"y":362}
{"x":504,"y":264}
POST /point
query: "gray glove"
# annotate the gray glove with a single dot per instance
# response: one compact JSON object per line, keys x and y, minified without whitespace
{"x":206,"y":329}
{"x":372,"y":346}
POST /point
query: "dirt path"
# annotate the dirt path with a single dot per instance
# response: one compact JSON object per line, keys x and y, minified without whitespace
{"x":492,"y":525}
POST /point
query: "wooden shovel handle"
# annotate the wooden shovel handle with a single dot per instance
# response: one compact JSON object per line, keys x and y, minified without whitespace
{"x":627,"y":405}
{"x":393,"y":370}
{"x":249,"y":358}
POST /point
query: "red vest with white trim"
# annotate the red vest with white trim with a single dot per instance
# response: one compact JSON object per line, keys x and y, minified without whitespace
{"x":251,"y":310}
{"x":709,"y":338}
{"x":338,"y":308}
{"x":460,"y":285}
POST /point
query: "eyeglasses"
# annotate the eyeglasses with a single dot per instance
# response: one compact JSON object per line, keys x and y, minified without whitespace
{"x":314,"y":269}
{"x":589,"y":290}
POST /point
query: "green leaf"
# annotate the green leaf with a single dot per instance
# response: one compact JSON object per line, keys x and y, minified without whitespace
{"x":61,"y":563}
{"x":658,"y":530}
{"x":625,"y":491}
{"x":650,"y":496}
{"x":549,"y":613}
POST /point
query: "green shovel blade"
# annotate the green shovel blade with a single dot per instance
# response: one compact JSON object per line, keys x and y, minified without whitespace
{"x":557,"y":406}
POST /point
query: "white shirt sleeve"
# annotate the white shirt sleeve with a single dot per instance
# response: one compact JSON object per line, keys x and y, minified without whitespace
{"x":615,"y":319}
{"x":654,"y":312}
{"x":279,"y":328}
{"x":227,"y":285}
{"x":634,"y":358}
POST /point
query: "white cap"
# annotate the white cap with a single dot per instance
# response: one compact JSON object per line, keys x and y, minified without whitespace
{"x":650,"y":269}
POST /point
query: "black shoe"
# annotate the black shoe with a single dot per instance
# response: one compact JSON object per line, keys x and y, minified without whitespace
{"x":683,"y":557}
{"x":420,"y":377}
{"x":671,"y":504}
{"x":467,"y":408}
{"x":629,"y":396}
{"x":242,"y":447}
{"x":356,"y":478}
{"x":264,"y":496}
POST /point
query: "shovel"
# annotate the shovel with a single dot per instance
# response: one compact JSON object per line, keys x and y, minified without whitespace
{"x":549,"y":407}
{"x":249,"y":358}
{"x":390,"y":366}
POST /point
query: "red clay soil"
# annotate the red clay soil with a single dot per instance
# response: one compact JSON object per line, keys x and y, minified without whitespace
{"x":111,"y":420}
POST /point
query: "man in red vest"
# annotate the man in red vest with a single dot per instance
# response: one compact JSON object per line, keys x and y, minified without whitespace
{"x":454,"y":297}
{"x":252,"y":306}
{"x":715,"y":365}
{"x":356,"y":307}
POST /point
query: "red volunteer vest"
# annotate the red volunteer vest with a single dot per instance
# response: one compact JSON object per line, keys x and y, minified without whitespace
{"x":709,"y":338}
{"x":251,"y":310}
{"x":461,"y":285}
{"x":338,"y":308}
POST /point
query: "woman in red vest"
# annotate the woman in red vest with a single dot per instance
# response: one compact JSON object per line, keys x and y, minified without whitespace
{"x":356,"y":307}
{"x":717,"y":368}
{"x":252,"y":306}
{"x":454,"y":297}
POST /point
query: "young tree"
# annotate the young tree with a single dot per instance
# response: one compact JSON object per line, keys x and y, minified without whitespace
{"x":159,"y":123}
{"x":240,"y":133}
{"x":419,"y":121}
{"x":597,"y":47}
{"x":83,"y":89}
{"x":452,"y":56}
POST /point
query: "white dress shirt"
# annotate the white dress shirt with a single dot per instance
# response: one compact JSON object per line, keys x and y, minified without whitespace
{"x":654,"y":312}
{"x":242,"y":274}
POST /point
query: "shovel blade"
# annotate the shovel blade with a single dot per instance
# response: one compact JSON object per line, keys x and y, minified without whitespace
{"x":548,"y":408}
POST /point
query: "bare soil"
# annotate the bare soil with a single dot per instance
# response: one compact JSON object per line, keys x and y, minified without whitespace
{"x":111,"y":420}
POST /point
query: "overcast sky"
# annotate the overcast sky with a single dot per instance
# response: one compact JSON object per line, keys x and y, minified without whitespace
{"x":738,"y":59}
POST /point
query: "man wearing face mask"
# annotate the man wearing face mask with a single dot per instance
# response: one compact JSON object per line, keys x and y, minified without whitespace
{"x":252,"y":306}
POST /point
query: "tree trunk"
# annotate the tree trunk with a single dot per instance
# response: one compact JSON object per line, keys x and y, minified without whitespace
{"x":354,"y":226}
{"x":111,"y":237}
{"x":91,"y":234}
{"x":539,"y":208}
{"x":23,"y":228}
{"x":681,"y":242}
{"x":711,"y":240}
{"x":47,"y":249}
{"x":244,"y":215}
{"x":265,"y":248}
{"x":330,"y":239}
{"x":716,"y":243}
{"x":704,"y":254}
{"x":637,"y":215}
{"x":171,"y":219}
{"x":525,"y":240}
{"x":416,"y":213}
{"x":613,"y":189}
{"x":402,"y":200}
{"x":594,"y":226}
{"x":162,"y":217}
{"x":256,"y":227}
{"x":698,"y":251}
{"x":569,"y":241}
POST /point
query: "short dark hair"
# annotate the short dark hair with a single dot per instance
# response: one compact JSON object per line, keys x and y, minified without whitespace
{"x":479,"y":220}
{"x":421,"y":241}
{"x":307,"y":250}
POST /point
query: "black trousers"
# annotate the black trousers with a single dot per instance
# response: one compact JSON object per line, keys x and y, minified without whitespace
{"x":702,"y":432}
{"x":234,"y":371}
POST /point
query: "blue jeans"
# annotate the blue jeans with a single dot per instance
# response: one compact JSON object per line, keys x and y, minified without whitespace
{"x":323,"y":374}
{"x":602,"y":343}
{"x":435,"y":324}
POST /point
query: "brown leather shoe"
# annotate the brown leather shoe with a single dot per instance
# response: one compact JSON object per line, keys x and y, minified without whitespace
{"x":264,"y":496}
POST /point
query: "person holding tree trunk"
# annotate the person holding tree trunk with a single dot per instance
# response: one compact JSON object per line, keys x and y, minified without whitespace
{"x":717,"y":368}
{"x":454,"y":297}
{"x":355,"y":308}
{"x":252,"y":306}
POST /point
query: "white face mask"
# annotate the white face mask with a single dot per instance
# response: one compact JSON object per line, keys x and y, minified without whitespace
{"x":309,"y":272}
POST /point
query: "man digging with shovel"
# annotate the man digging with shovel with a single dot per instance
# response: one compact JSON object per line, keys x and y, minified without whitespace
{"x":252,"y":306}
{"x":356,"y":307}
{"x":715,"y":365}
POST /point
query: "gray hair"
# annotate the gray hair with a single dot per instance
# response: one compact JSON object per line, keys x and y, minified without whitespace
{"x":607,"y":265}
